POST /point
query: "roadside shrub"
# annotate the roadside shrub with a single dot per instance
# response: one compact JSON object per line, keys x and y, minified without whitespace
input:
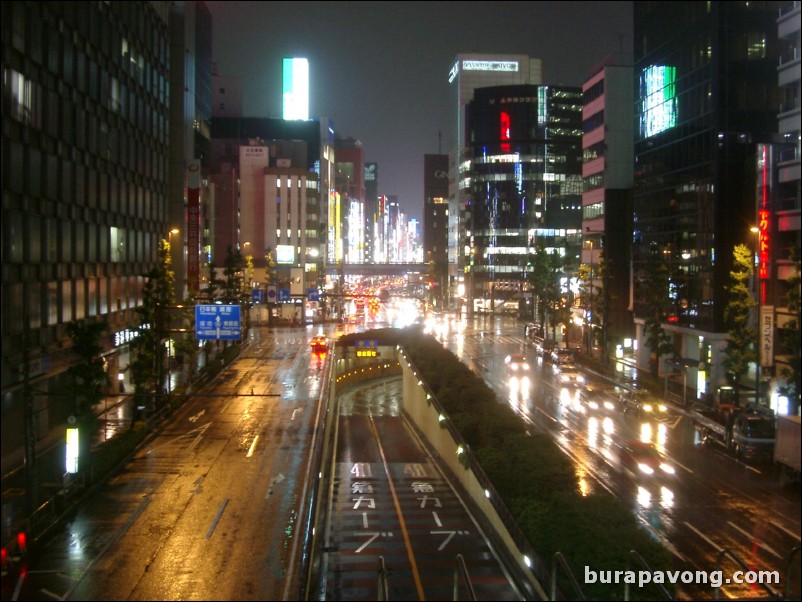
{"x":536,"y":480}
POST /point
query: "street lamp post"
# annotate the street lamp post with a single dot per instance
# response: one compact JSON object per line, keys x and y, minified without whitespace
{"x":589,"y":305}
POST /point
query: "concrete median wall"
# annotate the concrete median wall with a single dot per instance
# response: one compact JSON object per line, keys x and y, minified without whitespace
{"x":425,"y":412}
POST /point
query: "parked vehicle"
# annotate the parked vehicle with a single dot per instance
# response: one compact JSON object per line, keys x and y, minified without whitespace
{"x":748,"y":432}
{"x":715,"y":425}
{"x":786,"y":446}
{"x":753,"y":434}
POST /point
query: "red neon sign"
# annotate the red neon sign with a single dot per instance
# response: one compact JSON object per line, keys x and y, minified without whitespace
{"x":763,"y":222}
{"x":763,"y":243}
{"x":504,"y":131}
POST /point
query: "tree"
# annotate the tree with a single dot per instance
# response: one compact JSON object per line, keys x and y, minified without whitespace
{"x":593,"y":299}
{"x":790,"y":337}
{"x":158,"y":296}
{"x":233,"y":280}
{"x":270,"y":267}
{"x":546,"y":269}
{"x":87,"y":378}
{"x":655,"y":291}
{"x":742,"y":342}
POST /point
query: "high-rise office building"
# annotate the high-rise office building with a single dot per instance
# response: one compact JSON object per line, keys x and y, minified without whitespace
{"x":229,"y":134}
{"x":783,"y":212}
{"x":86,"y":189}
{"x":467,"y":73}
{"x":607,"y":171}
{"x":435,"y":220}
{"x":706,"y":96}
{"x":371,"y":211}
{"x":349,"y":184}
{"x":522,"y":185}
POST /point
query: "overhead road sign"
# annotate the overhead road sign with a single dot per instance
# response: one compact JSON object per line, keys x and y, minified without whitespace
{"x":217,"y":322}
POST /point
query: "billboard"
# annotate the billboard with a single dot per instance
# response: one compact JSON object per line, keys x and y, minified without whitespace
{"x":295,"y":89}
{"x":658,"y":98}
{"x":285,"y":254}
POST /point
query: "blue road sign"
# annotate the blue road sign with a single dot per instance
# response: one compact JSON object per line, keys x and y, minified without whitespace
{"x":217,"y":322}
{"x":312,"y":294}
{"x":366,"y":344}
{"x":257,"y":296}
{"x":283,"y":295}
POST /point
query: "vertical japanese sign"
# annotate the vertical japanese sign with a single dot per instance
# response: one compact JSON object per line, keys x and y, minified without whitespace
{"x":767,"y":336}
{"x":193,"y":226}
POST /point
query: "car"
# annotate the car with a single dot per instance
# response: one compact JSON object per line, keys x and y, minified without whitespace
{"x":516,"y":364}
{"x":319,"y":343}
{"x":568,"y":375}
{"x":641,"y":459}
{"x":639,"y":402}
{"x":561,"y":355}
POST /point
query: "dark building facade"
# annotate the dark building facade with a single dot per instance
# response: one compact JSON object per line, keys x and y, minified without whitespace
{"x":435,"y":209}
{"x":86,"y":97}
{"x":524,"y":187}
{"x":705,"y":95}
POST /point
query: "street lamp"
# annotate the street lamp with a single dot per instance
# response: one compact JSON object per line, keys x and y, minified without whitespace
{"x":756,"y":231}
{"x":589,"y":303}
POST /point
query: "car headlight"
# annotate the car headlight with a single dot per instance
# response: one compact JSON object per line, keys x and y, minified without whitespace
{"x":667,"y":468}
{"x":645,"y":468}
{"x":647,"y":407}
{"x":662,"y":407}
{"x":580,"y":379}
{"x":593,"y":405}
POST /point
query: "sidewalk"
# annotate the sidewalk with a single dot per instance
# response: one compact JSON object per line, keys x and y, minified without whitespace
{"x":114,"y":414}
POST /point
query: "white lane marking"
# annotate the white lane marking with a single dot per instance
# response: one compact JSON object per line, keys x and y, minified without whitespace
{"x":216,"y":518}
{"x":252,"y":447}
{"x":754,"y":539}
{"x":784,"y":529}
{"x":702,"y":535}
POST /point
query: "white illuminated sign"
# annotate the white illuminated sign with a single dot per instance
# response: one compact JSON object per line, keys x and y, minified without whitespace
{"x":511,"y":66}
{"x":453,"y":73}
{"x":285,"y":254}
{"x":474,"y":65}
{"x":296,"y":89}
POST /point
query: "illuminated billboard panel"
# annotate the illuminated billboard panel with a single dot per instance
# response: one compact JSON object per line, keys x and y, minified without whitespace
{"x":285,"y":254}
{"x":658,"y":93}
{"x":295,"y":89}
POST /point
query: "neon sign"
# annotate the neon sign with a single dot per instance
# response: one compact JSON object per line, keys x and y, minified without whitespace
{"x":504,"y":131}
{"x":763,"y":243}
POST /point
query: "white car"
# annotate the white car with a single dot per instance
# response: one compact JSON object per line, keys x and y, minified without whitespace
{"x":568,"y":375}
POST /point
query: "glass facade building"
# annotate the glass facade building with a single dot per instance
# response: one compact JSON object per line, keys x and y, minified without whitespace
{"x":522,"y":185}
{"x":705,"y":95}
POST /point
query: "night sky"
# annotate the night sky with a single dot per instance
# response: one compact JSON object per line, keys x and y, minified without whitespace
{"x":379,"y":70}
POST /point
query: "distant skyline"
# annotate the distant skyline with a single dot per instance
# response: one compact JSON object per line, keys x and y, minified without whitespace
{"x":379,"y":70}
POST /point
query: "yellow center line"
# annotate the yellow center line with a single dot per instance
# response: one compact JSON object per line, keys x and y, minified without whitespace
{"x":410,"y":555}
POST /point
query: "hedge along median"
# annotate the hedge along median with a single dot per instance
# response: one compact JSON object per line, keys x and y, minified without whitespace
{"x":536,"y":480}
